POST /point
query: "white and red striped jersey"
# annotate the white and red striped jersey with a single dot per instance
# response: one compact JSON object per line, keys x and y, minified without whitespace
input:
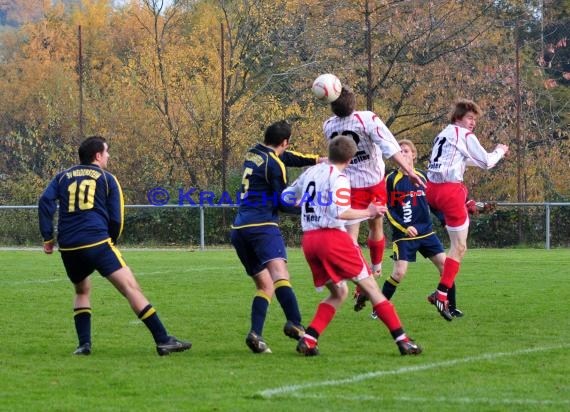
{"x":373,"y":140}
{"x":456,"y":148}
{"x":324,"y":194}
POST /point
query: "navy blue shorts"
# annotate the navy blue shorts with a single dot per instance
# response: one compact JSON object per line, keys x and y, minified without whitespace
{"x":255,"y":246}
{"x":406,"y":248}
{"x":80,"y":263}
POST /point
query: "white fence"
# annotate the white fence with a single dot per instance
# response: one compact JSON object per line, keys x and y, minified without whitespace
{"x":202,"y":225}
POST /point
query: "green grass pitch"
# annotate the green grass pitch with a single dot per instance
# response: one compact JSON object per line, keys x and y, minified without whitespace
{"x":511,"y":351}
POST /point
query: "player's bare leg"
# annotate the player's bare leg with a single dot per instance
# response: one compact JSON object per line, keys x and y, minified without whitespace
{"x":398,"y":273}
{"x":125,"y":282}
{"x":359,"y":299}
{"x":376,"y":245}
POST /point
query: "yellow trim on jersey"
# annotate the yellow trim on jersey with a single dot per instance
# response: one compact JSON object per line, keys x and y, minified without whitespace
{"x":122,"y":201}
{"x":148,"y":314}
{"x":86,"y":246}
{"x":254,"y":225}
{"x":395,"y":223}
{"x":281,"y":165}
{"x":282,"y":282}
{"x":80,"y":311}
{"x":397,"y":178}
{"x":306,"y":156}
{"x":419,"y":173}
{"x":263,"y":295}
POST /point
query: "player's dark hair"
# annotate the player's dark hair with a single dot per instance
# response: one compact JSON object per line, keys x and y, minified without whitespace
{"x":276,"y":133}
{"x":462,"y":107}
{"x":341,"y":149}
{"x":89,"y":148}
{"x":345,"y":104}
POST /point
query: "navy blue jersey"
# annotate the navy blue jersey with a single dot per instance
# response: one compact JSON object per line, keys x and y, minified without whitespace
{"x":90,"y":207}
{"x":264,"y":178}
{"x":407,"y":205}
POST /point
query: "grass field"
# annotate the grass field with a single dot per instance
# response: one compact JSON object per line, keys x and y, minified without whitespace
{"x":510,"y":352}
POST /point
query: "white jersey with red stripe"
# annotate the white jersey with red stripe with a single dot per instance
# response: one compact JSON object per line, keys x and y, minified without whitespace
{"x":456,"y":148}
{"x":324,"y":193}
{"x":373,"y":140}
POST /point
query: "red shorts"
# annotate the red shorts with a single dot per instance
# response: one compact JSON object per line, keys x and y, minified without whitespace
{"x":333,"y":256}
{"x":449,"y":199}
{"x":361,"y":197}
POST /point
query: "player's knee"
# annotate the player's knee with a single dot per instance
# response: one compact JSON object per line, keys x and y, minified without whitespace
{"x":340,"y":292}
{"x":461,"y":248}
{"x":398,"y":275}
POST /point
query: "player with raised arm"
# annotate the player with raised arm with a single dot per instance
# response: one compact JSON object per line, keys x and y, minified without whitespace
{"x":455,"y":148}
{"x":90,"y":222}
{"x":366,"y":170}
{"x":412,"y":230}
{"x":255,"y":232}
{"x":333,"y":255}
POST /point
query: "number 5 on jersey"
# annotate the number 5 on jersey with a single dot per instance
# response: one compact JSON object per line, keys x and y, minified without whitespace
{"x":245,"y":182}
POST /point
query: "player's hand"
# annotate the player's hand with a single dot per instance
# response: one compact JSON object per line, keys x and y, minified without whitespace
{"x":475,"y":208}
{"x":503,"y":147}
{"x":411,"y":231}
{"x":376,"y":210}
{"x":48,"y":246}
{"x":416,"y":180}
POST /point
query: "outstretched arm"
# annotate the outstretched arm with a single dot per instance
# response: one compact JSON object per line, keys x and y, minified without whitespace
{"x":398,"y":158}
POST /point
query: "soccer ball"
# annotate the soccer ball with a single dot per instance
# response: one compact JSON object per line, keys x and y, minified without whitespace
{"x":327,"y":87}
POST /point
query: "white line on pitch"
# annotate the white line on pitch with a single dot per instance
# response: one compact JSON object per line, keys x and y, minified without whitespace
{"x":440,"y":399}
{"x":64,"y":277}
{"x":268,"y":393}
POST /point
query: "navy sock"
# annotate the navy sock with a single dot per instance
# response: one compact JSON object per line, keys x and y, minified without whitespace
{"x":451,"y":296}
{"x":288,"y":301}
{"x":389,"y":287}
{"x":150,"y":318}
{"x":82,"y":318}
{"x":259,"y":308}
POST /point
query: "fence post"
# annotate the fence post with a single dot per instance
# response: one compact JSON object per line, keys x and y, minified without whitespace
{"x":202,"y":242}
{"x":547,"y":226}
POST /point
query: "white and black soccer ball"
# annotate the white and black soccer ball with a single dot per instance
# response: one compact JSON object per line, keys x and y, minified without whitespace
{"x":327,"y":87}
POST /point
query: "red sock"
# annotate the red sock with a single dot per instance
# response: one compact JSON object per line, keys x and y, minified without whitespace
{"x":376,"y":248}
{"x":450,"y":270}
{"x":387,"y":314}
{"x":325,"y":313}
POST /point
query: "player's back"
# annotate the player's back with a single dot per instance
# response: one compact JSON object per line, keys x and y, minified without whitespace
{"x":84,"y":215}
{"x":264,"y":177}
{"x":371,"y":137}
{"x":325,"y":195}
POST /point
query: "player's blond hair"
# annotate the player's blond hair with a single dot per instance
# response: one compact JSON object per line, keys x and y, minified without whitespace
{"x":462,"y":107}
